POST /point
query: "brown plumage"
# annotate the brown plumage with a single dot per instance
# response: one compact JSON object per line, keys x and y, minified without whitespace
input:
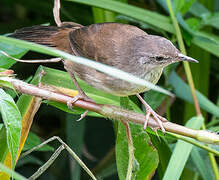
{"x":122,"y":46}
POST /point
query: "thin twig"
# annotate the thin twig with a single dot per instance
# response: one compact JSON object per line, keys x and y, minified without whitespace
{"x":48,"y":163}
{"x":56,"y":12}
{"x":51,"y":60}
{"x":130,"y":149}
{"x":110,"y":111}
{"x":55,"y":155}
{"x":196,"y":143}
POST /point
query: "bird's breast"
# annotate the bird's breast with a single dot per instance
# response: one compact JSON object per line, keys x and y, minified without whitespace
{"x":111,"y":84}
{"x":151,"y":76}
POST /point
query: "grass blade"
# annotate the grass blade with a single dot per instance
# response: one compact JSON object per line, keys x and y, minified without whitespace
{"x":181,"y":153}
{"x":178,"y":84}
{"x":143,"y":15}
{"x":101,"y":67}
{"x":203,"y":167}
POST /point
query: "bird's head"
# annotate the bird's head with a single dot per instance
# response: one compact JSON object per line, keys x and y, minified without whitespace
{"x":158,"y":51}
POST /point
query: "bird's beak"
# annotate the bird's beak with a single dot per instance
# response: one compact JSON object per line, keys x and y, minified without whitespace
{"x":182,"y":57}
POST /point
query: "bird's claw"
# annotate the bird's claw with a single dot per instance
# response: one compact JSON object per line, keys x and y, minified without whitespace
{"x":83,"y":115}
{"x":149,"y":111}
{"x":84,"y":97}
{"x":76,"y":98}
{"x":159,"y":119}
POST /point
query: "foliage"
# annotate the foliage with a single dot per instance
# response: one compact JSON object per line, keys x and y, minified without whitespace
{"x":102,"y":144}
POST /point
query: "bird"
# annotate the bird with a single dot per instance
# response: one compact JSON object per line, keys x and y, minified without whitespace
{"x":118,"y":45}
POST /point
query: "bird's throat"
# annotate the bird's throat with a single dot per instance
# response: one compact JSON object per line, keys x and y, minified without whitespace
{"x":153,"y":75}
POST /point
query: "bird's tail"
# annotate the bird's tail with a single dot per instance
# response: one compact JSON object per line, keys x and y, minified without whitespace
{"x":37,"y":34}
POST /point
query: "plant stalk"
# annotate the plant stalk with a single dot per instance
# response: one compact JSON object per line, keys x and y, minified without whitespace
{"x":130,"y":150}
{"x":110,"y":111}
{"x":190,"y":80}
{"x":183,"y":50}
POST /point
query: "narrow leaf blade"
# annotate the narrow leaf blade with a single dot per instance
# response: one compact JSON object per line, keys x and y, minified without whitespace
{"x":86,"y":62}
{"x":12,"y":121}
{"x":182,"y":90}
{"x":181,"y":153}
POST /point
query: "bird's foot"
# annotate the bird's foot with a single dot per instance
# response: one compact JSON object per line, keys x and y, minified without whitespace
{"x":159,"y":119}
{"x":80,"y":96}
{"x":150,"y":112}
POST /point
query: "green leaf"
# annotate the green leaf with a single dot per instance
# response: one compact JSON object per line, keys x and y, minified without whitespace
{"x":194,"y":23}
{"x":131,"y":166}
{"x":143,"y":15}
{"x":206,"y":41}
{"x":11,"y":173}
{"x":13,"y":50}
{"x":3,"y":144}
{"x":86,"y":62}
{"x":181,"y":89}
{"x":62,"y":79}
{"x":12,"y":120}
{"x":198,"y":10}
{"x":212,"y":20}
{"x":146,"y":156}
{"x":181,"y":153}
{"x":201,"y":160}
{"x":186,"y":6}
{"x":182,"y":6}
{"x":178,"y":5}
{"x":157,"y":20}
{"x":75,"y":140}
{"x":32,"y":141}
{"x":163,"y":151}
{"x":207,"y":45}
{"x":6,"y":84}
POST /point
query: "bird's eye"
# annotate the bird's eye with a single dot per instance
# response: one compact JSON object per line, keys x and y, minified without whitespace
{"x":159,"y":58}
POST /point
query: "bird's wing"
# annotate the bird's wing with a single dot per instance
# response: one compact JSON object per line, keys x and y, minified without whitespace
{"x":102,"y":42}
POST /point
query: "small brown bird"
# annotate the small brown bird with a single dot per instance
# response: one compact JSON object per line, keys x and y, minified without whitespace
{"x":122,"y":46}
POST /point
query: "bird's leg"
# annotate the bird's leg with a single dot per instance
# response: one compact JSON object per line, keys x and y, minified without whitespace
{"x":149,"y":111}
{"x":80,"y":95}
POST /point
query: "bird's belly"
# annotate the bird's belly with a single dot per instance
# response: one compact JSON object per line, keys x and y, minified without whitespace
{"x":113,"y":85}
{"x":124,"y":88}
